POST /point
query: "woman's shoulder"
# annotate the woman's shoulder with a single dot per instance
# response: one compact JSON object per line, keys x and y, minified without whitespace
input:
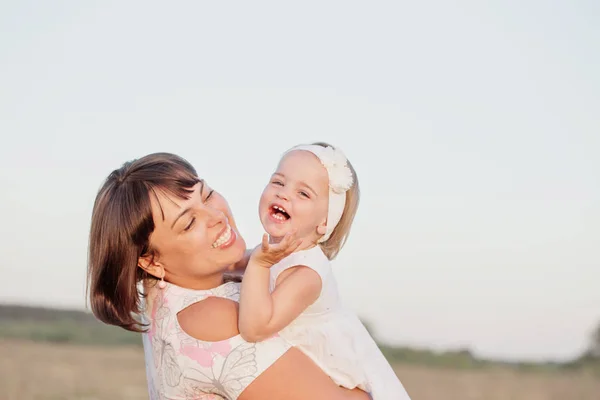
{"x":211,"y":320}
{"x":208,"y":315}
{"x":216,"y":308}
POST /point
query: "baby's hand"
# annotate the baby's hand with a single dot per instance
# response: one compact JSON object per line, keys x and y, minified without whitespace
{"x":267,"y":255}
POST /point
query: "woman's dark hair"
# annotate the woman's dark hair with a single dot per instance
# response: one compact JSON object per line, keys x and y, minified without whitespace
{"x":121,"y":227}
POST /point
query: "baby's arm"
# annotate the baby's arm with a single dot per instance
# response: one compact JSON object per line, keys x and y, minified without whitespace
{"x":262,"y":314}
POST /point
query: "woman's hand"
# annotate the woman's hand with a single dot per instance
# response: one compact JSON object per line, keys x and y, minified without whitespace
{"x":266,"y":255}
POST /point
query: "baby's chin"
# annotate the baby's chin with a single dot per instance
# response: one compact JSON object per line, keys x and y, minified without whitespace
{"x":278,"y":236}
{"x":278,"y":229}
{"x":275,"y":236}
{"x":275,"y":229}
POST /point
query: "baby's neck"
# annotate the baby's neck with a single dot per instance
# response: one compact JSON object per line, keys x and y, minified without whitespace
{"x":307,"y":243}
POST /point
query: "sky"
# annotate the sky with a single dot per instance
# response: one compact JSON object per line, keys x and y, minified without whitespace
{"x":473,"y":127}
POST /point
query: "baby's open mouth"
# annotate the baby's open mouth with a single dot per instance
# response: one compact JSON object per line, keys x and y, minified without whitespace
{"x":279,"y":213}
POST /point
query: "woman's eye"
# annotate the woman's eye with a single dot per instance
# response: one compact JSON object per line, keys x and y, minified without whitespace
{"x":278,"y":183}
{"x":209,"y":195}
{"x":189,"y":226}
{"x":304,"y":194}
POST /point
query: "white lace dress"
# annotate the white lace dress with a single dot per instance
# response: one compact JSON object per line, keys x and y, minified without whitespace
{"x":334,"y":338}
{"x":180,"y":367}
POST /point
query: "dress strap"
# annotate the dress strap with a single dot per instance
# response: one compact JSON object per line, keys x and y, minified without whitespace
{"x":177,"y":298}
{"x":313,"y":258}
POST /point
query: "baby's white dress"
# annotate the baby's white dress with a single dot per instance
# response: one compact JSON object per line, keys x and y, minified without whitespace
{"x":334,"y":338}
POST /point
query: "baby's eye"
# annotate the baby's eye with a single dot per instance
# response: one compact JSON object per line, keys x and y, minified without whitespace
{"x":277,"y":183}
{"x":304,"y":194}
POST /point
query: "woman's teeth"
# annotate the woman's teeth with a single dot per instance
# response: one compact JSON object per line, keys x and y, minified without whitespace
{"x":223,"y":238}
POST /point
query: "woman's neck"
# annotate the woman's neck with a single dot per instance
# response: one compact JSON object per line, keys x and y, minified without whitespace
{"x":200,"y":283}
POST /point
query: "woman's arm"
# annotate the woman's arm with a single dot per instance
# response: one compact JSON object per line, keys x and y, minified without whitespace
{"x":292,"y":377}
{"x":295,"y":377}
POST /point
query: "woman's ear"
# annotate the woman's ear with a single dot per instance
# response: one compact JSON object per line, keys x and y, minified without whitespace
{"x":151,"y":266}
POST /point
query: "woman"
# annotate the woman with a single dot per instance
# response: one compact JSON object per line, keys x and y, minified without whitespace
{"x":161,"y":243}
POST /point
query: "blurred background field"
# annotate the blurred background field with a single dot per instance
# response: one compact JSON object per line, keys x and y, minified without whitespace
{"x":57,"y":354}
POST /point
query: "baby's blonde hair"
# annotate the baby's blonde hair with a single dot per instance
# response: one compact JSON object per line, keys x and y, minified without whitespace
{"x":332,"y":246}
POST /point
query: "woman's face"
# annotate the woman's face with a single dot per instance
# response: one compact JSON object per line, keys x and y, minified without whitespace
{"x":194,"y":239}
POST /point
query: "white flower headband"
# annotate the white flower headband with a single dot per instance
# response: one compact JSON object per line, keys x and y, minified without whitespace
{"x":340,"y":181}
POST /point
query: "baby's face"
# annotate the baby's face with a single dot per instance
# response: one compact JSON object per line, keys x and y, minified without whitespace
{"x":297,"y":197}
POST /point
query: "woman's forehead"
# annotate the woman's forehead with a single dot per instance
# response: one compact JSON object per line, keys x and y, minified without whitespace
{"x":166,"y":205}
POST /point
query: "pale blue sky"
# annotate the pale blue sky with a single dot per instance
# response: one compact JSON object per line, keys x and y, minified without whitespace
{"x":474,"y":129}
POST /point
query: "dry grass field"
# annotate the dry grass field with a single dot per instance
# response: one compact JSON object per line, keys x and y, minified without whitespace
{"x":42,"y":371}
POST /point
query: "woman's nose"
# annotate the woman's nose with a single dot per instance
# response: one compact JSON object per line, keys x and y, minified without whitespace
{"x":215,"y":217}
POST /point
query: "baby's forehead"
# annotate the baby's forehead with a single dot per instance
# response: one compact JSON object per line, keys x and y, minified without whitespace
{"x":300,"y":156}
{"x":303,"y":166}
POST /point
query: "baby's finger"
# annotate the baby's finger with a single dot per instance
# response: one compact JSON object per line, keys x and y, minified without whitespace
{"x":291,"y":240}
{"x":290,"y":237}
{"x":289,"y":248}
{"x":279,"y":248}
{"x":294,"y":246}
{"x":265,"y":242}
{"x":282,"y":245}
